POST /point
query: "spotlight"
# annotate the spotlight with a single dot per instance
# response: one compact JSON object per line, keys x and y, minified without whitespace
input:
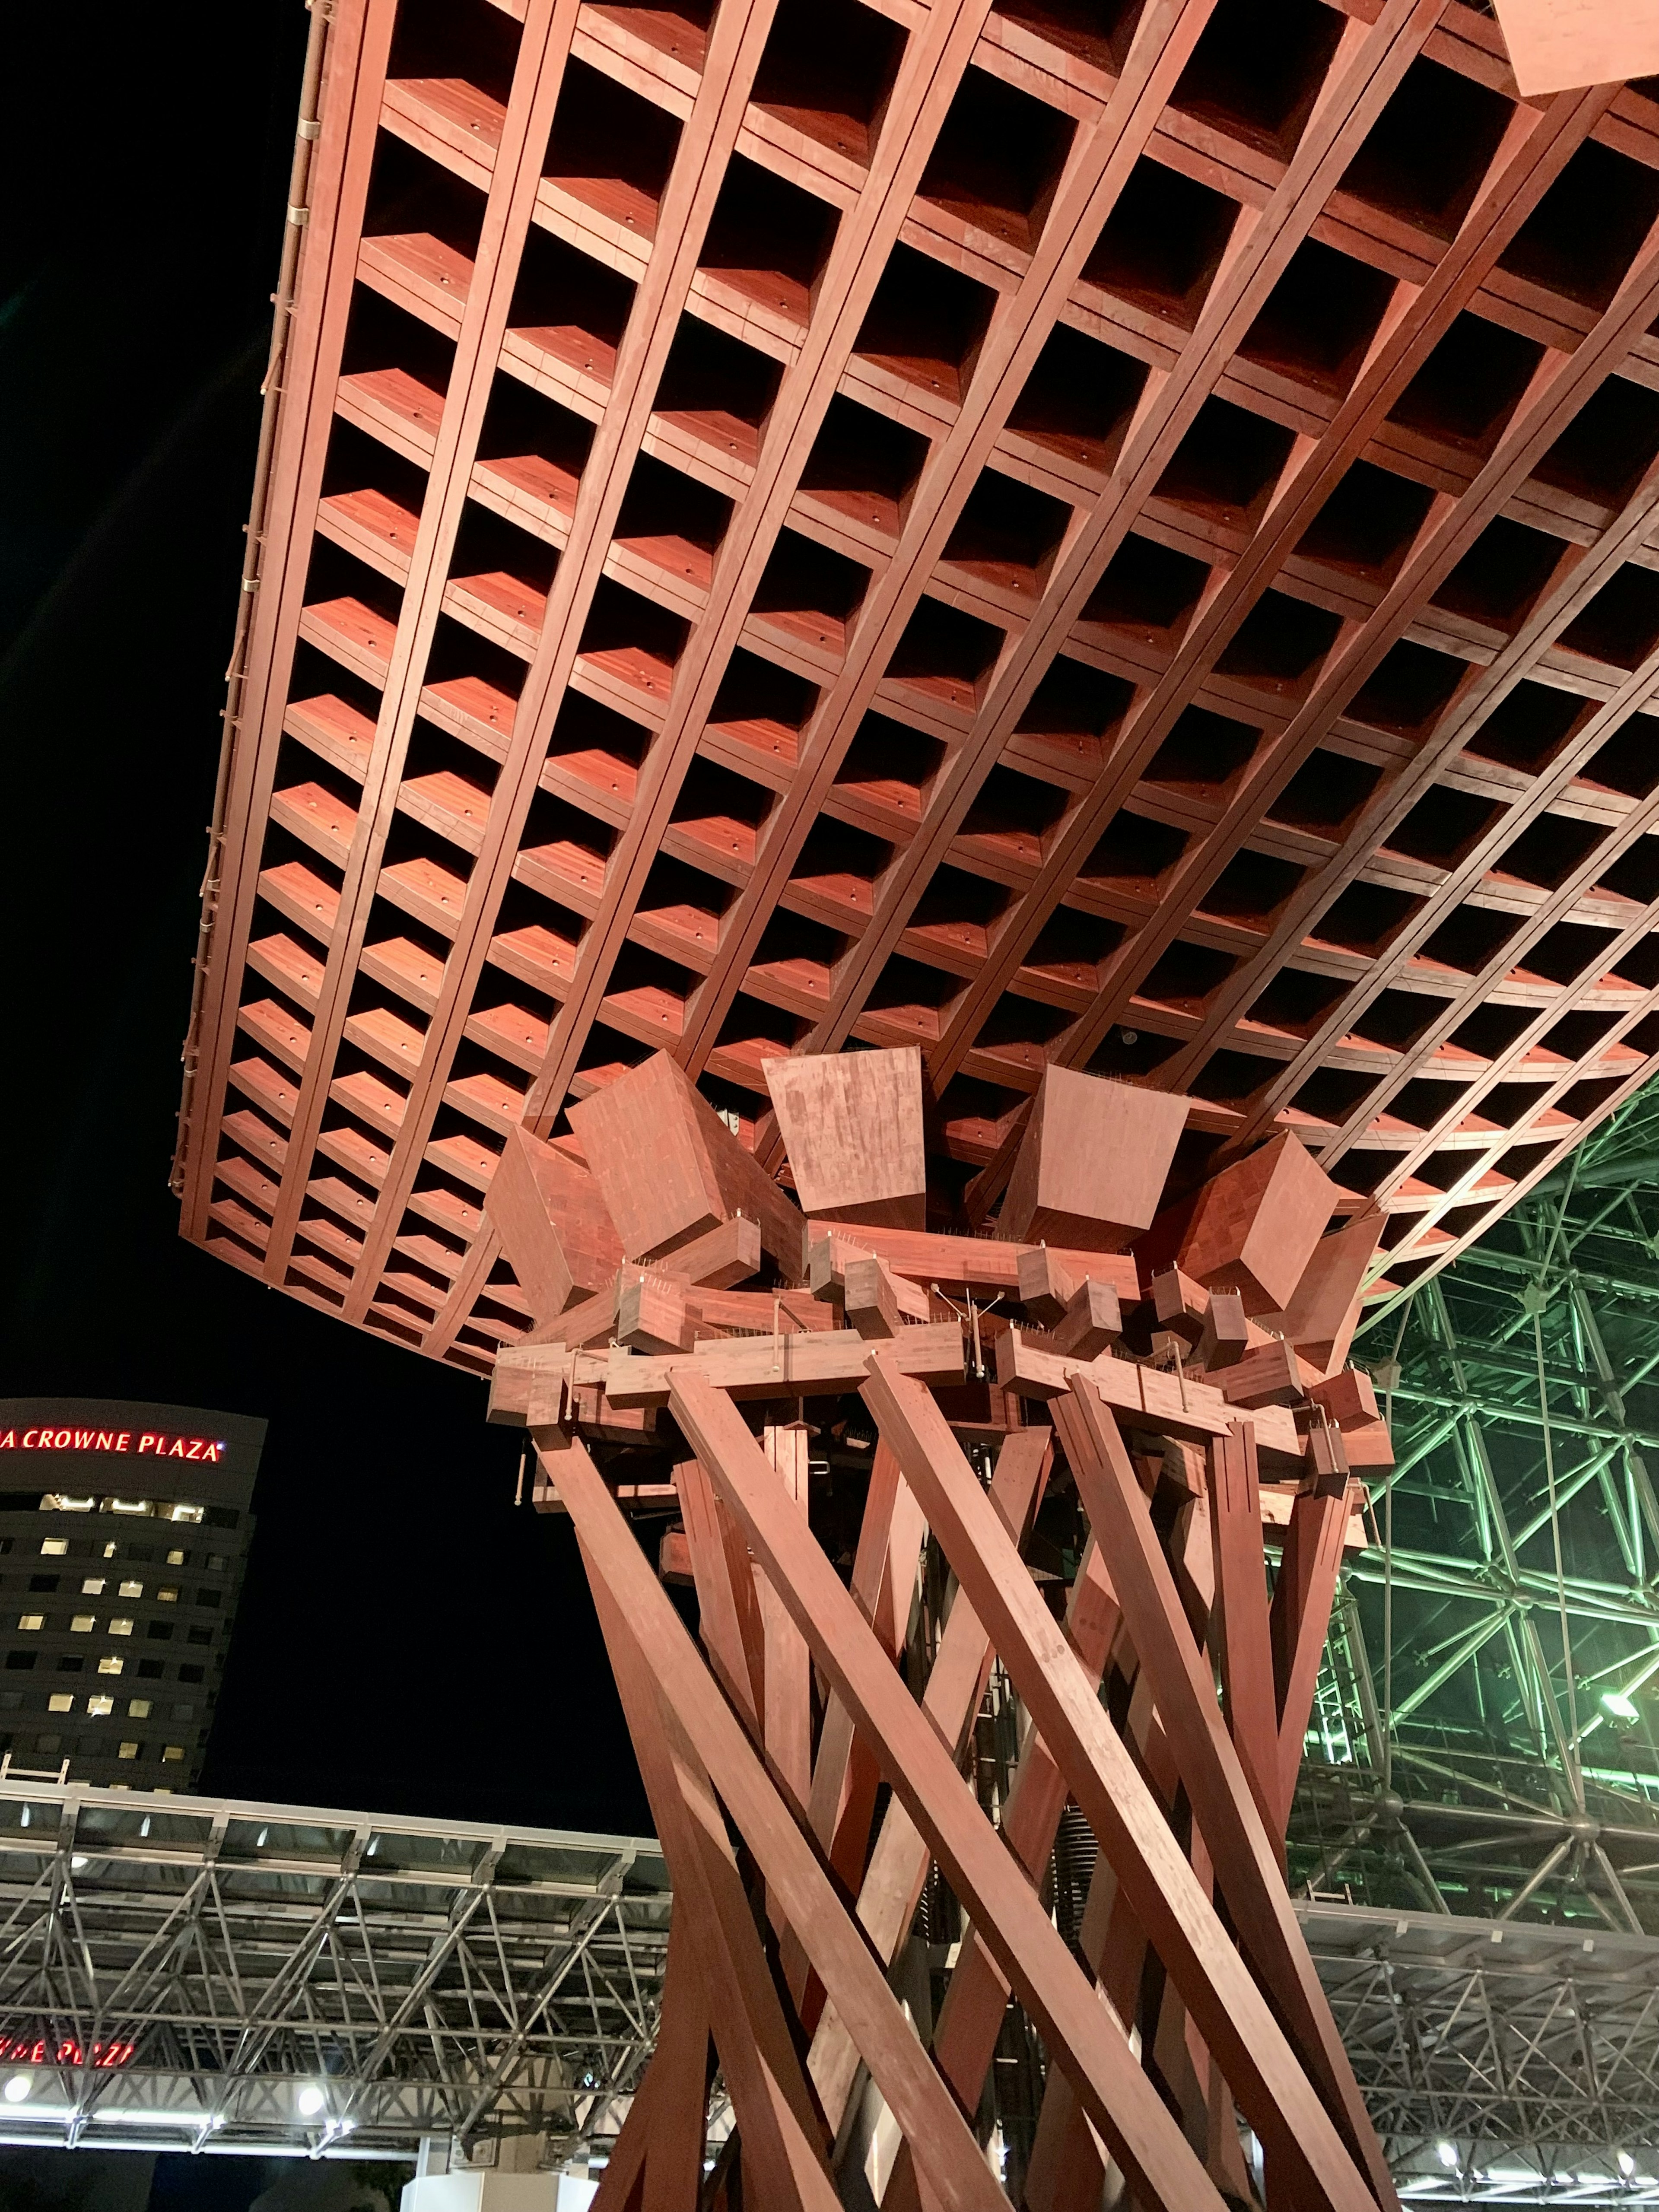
{"x":1626,"y":2164}
{"x":310,"y":2101}
{"x":79,"y":1862}
{"x":1446,"y":2153}
{"x":18,"y":2087}
{"x":1621,"y":1707}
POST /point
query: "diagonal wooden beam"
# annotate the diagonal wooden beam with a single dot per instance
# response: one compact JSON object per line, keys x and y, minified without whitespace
{"x":1239,"y":1622}
{"x":727,"y":1615}
{"x":1237,"y":1840}
{"x":636,"y":1605}
{"x":1265,"y":2071}
{"x":896,"y":1872}
{"x":660,"y":2147}
{"x":1081,"y":2038}
{"x":783,"y":2139}
{"x":976,"y":1997}
{"x":1303,"y":1597}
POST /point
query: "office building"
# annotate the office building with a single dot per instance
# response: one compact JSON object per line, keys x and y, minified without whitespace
{"x":123,"y":1533}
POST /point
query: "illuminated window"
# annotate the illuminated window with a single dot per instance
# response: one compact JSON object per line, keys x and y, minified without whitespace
{"x":173,"y":1751}
{"x":121,"y":1628}
{"x":132,"y":1589}
{"x":184,"y":1512}
{"x":92,"y":1586}
{"x":178,"y":1558}
{"x":60,"y":1702}
{"x":99,"y":1706}
{"x":109,"y":1551}
{"x":84,"y":1623}
{"x":166,"y":1596}
{"x":139,"y":1708}
{"x":128,"y":1750}
{"x":55,"y":1547}
{"x":111,"y":1666}
{"x":52,"y":1502}
{"x":32,"y":1620}
{"x":141,"y":1505}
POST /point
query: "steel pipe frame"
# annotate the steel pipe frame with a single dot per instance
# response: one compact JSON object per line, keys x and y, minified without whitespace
{"x":432,"y":1979}
{"x":1468,"y":1766}
{"x":1530,"y":2054}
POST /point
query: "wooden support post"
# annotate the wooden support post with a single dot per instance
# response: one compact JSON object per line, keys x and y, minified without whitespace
{"x":675,"y":1710}
{"x":657,"y":2163}
{"x":789,"y":1664}
{"x":552,"y":1222}
{"x":1254,"y":1227}
{"x":1093,"y":1164}
{"x":976,"y":1998}
{"x":783,"y":2143}
{"x":1223,"y":1805}
{"x":1264,"y":2070}
{"x":939,"y":1801}
{"x":1300,"y":1620}
{"x":727,"y":1598}
{"x":1239,"y":1623}
{"x":670,"y":1171}
{"x":897,"y":1869}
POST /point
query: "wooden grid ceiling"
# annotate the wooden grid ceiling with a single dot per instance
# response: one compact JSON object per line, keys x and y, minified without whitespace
{"x":1117,"y":531}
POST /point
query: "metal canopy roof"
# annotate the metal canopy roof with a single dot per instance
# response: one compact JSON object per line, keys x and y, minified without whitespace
{"x":207,"y":1974}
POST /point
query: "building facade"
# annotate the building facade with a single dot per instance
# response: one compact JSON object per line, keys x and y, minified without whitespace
{"x":123,"y":1533}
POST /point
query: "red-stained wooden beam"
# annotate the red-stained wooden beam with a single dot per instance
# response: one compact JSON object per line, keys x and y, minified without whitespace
{"x":657,"y":1655}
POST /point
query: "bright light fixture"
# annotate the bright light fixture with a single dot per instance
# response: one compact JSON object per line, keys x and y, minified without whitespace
{"x":1621,"y":1707}
{"x":310,"y":2101}
{"x":1626,"y":2164}
{"x":18,"y":2087}
{"x":78,"y":1862}
{"x":1446,"y":2153}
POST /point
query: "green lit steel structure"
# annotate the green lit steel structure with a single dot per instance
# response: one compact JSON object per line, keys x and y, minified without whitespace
{"x":1486,"y":1740}
{"x":1485,"y":1748}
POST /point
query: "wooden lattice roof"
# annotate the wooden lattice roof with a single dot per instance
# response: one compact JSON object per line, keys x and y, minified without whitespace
{"x":1114,"y":533}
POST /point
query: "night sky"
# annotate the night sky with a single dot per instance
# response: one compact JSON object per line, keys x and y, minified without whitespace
{"x":407,"y":1641}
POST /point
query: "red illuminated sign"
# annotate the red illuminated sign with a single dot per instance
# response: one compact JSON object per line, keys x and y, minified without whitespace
{"x":143,"y":1442}
{"x":42,"y":2050}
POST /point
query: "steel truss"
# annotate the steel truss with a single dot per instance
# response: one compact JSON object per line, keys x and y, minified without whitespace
{"x":1502,"y":2064}
{"x":189,"y":1974}
{"x":1484,"y":1737}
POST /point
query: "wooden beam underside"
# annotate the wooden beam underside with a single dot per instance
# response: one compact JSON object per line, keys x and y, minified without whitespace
{"x":749,"y":570}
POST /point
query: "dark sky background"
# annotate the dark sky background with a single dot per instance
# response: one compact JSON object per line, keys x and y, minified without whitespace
{"x":407,"y":1641}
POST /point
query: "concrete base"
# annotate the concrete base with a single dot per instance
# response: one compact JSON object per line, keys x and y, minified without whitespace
{"x":479,"y":2191}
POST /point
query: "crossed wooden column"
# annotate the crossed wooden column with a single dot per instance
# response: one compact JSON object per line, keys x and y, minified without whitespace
{"x":807,"y":1749}
{"x":723,"y":1734}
